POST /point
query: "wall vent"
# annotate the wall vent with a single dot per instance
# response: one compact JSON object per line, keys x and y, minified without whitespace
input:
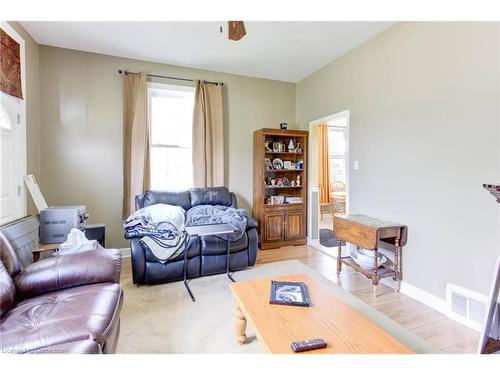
{"x":466,"y":306}
{"x":459,"y":304}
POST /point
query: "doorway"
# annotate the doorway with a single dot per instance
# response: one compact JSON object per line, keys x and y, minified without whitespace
{"x":329,"y":182}
{"x":13,"y":144}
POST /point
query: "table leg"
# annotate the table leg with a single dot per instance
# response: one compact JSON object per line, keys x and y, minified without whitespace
{"x":241,"y":325}
{"x":227,"y":259}
{"x":339,"y":257}
{"x":397,"y":276}
{"x":375,"y":272}
{"x":185,"y":271}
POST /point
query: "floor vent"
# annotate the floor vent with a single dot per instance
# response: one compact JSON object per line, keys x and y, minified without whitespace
{"x":466,"y":306}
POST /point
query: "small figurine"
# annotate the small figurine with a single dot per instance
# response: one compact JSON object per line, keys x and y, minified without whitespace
{"x":273,"y":182}
{"x":267,"y":142}
{"x":298,"y":180}
{"x":291,"y":147}
{"x":298,"y":149}
{"x":293,"y":183}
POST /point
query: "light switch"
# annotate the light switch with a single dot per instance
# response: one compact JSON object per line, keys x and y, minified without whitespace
{"x":356,"y":165}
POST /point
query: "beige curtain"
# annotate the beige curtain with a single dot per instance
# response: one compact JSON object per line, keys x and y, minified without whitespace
{"x":323,"y":161}
{"x":136,"y":171}
{"x":208,"y":135}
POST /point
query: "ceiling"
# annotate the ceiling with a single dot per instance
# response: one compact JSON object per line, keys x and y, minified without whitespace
{"x":285,"y":51}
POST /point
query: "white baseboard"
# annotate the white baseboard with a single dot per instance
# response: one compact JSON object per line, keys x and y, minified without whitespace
{"x":434,"y":302}
{"x":420,"y":295}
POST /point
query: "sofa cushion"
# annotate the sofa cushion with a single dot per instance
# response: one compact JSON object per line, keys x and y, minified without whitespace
{"x":157,"y":272}
{"x":174,"y":198}
{"x":213,"y":264}
{"x":8,"y":257}
{"x":81,"y":313}
{"x":213,"y":245}
{"x":213,"y":196}
{"x":7,"y":290}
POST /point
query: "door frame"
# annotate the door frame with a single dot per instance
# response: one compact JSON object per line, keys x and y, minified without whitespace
{"x":22,"y":208}
{"x":314,"y":237}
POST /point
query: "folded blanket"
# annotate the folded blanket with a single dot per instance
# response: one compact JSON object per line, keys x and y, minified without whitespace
{"x":166,"y":244}
{"x":148,"y":216}
{"x":208,"y":214}
{"x":161,"y":228}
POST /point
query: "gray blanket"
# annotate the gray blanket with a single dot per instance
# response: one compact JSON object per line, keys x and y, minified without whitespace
{"x":208,"y":214}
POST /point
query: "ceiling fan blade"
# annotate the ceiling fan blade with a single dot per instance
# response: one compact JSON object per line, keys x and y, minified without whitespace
{"x":236,"y":30}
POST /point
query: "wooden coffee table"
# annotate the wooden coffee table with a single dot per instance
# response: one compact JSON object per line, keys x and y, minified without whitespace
{"x":344,"y":329}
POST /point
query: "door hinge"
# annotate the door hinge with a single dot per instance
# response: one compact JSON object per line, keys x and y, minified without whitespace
{"x":18,"y":118}
{"x":19,"y":190}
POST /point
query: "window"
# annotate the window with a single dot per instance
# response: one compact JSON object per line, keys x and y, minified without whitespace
{"x":170,"y":111}
{"x":337,"y":153}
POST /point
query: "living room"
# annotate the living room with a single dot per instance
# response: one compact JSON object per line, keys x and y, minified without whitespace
{"x":199,"y":160}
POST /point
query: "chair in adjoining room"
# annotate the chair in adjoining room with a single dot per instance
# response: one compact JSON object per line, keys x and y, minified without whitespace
{"x":338,"y":197}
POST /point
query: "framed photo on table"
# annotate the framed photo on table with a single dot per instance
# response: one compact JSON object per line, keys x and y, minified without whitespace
{"x":289,"y":293}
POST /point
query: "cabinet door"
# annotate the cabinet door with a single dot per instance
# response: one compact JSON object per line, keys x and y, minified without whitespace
{"x":274,"y":226}
{"x":294,"y":225}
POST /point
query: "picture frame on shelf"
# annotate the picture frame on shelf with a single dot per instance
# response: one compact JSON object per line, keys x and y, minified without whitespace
{"x":277,"y":163}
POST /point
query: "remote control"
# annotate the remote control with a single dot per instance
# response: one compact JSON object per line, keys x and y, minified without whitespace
{"x":302,"y":346}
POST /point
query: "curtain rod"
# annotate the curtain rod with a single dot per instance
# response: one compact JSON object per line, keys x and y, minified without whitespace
{"x":120,"y":71}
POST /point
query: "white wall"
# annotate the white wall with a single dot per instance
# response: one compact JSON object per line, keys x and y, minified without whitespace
{"x":424,"y":107}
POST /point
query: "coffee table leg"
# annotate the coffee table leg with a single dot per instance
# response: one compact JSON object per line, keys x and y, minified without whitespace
{"x":241,"y":325}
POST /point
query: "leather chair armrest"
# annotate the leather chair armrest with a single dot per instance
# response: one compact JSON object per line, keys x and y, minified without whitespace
{"x":138,"y":261}
{"x":68,"y":271}
{"x":251,"y":223}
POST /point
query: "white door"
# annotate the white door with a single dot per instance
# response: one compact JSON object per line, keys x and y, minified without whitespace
{"x":11,"y":178}
{"x":13,"y":145}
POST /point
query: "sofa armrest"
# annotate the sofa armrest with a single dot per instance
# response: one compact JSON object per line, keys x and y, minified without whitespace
{"x":68,"y":271}
{"x":251,"y":223}
{"x":138,"y":261}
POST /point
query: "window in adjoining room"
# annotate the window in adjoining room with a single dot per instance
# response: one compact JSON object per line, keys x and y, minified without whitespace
{"x":170,"y":111}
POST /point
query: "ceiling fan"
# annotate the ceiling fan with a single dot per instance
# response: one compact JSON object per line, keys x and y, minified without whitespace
{"x":235,"y":30}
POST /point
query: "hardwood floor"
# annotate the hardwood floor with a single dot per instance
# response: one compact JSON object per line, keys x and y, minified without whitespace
{"x":434,"y":327}
{"x":446,"y":334}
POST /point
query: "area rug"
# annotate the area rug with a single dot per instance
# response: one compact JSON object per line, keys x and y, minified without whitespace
{"x":327,"y":238}
{"x":163,"y":319}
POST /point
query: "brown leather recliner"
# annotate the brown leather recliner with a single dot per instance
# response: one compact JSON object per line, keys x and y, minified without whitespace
{"x":64,"y":304}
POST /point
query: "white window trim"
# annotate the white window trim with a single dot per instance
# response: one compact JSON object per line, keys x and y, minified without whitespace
{"x":157,"y":87}
{"x":22,"y":166}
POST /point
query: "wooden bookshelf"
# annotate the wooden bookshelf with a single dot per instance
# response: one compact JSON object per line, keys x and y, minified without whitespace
{"x":280,"y":223}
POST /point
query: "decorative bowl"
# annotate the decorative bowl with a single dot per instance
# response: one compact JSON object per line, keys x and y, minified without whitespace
{"x":366,"y":261}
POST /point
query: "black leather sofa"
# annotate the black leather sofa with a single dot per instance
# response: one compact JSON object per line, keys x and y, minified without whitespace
{"x":206,"y":255}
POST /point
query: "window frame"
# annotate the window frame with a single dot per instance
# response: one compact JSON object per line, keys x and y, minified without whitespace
{"x":154,"y":89}
{"x":343,"y":156}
